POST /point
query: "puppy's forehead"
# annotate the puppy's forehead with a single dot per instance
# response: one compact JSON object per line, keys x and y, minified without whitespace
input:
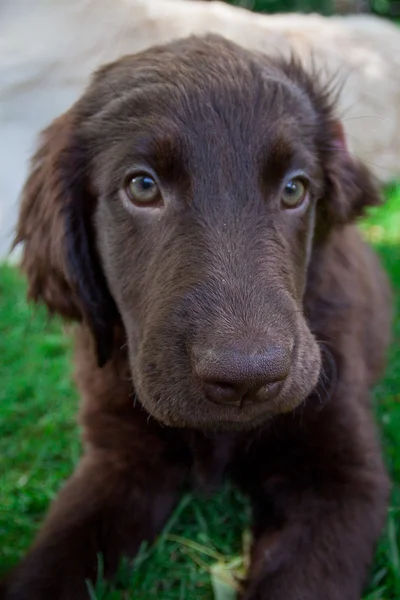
{"x":198,"y":82}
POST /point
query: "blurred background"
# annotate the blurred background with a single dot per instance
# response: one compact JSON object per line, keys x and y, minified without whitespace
{"x":385,"y":8}
{"x":204,"y":548}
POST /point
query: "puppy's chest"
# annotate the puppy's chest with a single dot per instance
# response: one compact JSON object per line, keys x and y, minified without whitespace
{"x":212,"y":456}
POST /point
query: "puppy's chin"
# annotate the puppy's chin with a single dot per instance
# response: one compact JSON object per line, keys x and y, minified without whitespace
{"x":204,"y":415}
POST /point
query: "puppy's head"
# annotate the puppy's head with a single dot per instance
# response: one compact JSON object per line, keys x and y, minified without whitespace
{"x":180,"y":197}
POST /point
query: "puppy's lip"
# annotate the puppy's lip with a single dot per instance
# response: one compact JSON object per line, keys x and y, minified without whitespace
{"x":243,"y":411}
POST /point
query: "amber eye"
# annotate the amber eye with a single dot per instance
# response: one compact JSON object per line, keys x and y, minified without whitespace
{"x":143,"y":190}
{"x":294,"y":193}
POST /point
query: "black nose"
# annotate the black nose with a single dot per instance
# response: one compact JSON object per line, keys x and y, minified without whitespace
{"x":230,"y":376}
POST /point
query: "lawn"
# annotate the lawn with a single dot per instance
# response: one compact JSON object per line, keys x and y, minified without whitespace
{"x":39,"y":446}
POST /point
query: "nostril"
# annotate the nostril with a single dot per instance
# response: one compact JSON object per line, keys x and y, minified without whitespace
{"x":230,"y":376}
{"x":222,"y":385}
{"x":266,"y":392}
{"x":221,"y":392}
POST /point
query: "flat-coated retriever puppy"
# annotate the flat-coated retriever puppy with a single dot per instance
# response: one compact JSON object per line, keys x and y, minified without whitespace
{"x":192,"y":212}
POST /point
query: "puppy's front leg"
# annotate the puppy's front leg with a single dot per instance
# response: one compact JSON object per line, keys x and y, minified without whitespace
{"x":109,"y":506}
{"x":319,"y":512}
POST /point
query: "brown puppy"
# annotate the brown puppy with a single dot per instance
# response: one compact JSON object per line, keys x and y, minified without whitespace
{"x":193,"y":213}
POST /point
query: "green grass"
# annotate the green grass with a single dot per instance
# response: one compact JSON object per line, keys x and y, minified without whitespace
{"x":39,"y":446}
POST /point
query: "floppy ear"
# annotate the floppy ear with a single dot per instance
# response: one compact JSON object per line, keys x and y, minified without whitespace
{"x":55,"y":226}
{"x":349,"y":185}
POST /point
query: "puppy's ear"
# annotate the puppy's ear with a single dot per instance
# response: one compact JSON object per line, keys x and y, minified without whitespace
{"x":55,"y":227}
{"x":349,"y":186}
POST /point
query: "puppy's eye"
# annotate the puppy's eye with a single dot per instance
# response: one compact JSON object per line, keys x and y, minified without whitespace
{"x":143,"y":190}
{"x":294,"y":193}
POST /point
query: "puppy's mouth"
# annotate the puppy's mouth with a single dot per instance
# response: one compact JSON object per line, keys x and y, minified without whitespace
{"x":177,"y":395}
{"x":195,"y":410}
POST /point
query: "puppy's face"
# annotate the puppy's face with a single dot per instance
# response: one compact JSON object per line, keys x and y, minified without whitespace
{"x":205,"y":166}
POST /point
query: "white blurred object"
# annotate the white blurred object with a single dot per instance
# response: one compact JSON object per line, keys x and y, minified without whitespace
{"x":49,"y":48}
